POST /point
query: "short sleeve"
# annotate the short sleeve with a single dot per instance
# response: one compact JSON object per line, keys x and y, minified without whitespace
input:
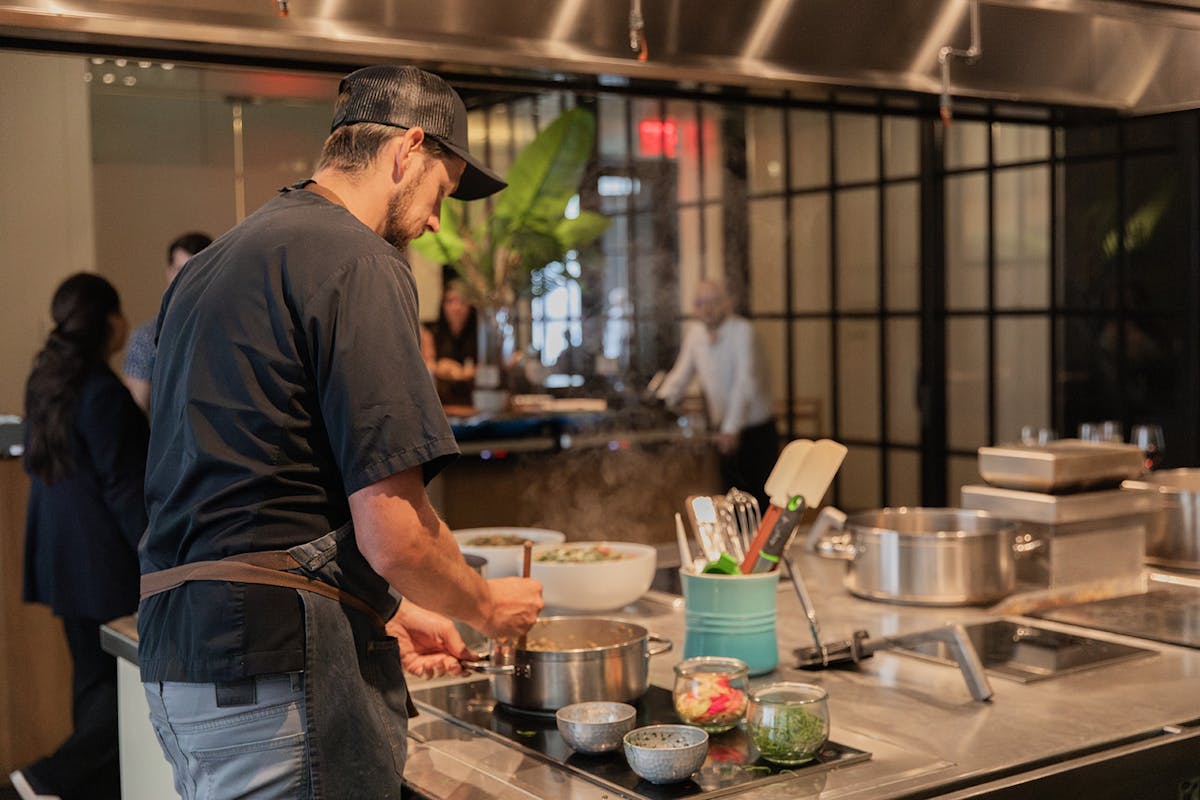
{"x":378,"y":401}
{"x":139,"y":352}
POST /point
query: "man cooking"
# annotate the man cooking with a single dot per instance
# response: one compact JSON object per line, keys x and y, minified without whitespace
{"x":294,"y":426}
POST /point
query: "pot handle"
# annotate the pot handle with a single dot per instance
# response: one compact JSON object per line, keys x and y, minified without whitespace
{"x":819,"y":542}
{"x":489,"y":668}
{"x":665,"y":645}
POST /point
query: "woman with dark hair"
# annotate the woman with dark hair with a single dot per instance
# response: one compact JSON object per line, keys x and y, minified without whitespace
{"x":85,"y":453}
{"x":450,"y":346}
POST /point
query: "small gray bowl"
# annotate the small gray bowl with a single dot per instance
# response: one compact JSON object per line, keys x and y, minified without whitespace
{"x":666,"y":753}
{"x":595,"y":727}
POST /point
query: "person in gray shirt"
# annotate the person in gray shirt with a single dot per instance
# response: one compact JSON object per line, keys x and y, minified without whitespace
{"x":139,"y":352}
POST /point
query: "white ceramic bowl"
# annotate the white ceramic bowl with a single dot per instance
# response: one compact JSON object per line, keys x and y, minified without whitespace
{"x":503,"y":561}
{"x":595,"y":585}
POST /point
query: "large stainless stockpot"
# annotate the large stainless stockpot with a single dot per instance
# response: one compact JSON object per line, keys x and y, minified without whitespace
{"x":921,"y":556}
{"x":568,"y":660}
{"x":1173,"y":533}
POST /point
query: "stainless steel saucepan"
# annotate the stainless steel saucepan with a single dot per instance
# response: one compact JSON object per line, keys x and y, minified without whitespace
{"x":1173,"y":535}
{"x":568,"y":660}
{"x":921,"y":556}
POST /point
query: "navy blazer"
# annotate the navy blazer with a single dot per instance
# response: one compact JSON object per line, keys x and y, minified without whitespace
{"x":81,"y":534}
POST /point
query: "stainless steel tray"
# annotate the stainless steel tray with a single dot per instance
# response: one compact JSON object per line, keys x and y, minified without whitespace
{"x":1057,"y":509}
{"x":1060,"y":465}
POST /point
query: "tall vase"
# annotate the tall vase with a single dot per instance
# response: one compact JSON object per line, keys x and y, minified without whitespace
{"x":494,"y":352}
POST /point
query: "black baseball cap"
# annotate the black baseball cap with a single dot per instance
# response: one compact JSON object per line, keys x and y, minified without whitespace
{"x":408,"y":97}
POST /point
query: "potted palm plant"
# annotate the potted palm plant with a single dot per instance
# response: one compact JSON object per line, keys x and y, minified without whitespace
{"x":526,"y":229}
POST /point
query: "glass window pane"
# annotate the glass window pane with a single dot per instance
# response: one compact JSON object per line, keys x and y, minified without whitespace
{"x":960,"y":471}
{"x":523,"y":128}
{"x":550,"y":106}
{"x":901,"y":147}
{"x":858,"y":378}
{"x":1022,"y":382}
{"x":690,"y":262}
{"x":678,"y":142}
{"x":811,"y":377}
{"x":858,"y":249}
{"x":966,"y":145}
{"x":1088,"y":244}
{"x":764,"y":148}
{"x":712,"y":116}
{"x":1159,"y":222}
{"x":904,"y":478}
{"x":810,"y":252}
{"x":714,"y":242}
{"x":281,"y":142}
{"x":1088,"y":139}
{"x":612,"y":128}
{"x":500,"y":139}
{"x":857,"y":147}
{"x":477,"y":131}
{"x":902,"y":206}
{"x":966,"y":383}
{"x":771,"y":338}
{"x":766,"y":255}
{"x":859,"y":484}
{"x":160,"y":165}
{"x":1022,"y":220}
{"x":1012,"y":142}
{"x":903,"y":366}
{"x":966,"y":241}
{"x":809,"y":136}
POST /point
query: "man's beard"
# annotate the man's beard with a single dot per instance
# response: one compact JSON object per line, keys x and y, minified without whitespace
{"x":398,"y":207}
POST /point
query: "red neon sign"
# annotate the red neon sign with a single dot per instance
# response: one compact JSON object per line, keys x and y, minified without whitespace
{"x":657,"y":138}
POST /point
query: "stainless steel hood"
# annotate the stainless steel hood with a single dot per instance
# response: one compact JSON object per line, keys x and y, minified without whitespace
{"x":1136,"y":58}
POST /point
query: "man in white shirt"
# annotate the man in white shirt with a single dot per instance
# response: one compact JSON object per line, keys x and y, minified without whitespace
{"x":719,"y":349}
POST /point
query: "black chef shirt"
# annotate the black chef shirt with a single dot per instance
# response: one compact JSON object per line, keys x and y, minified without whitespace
{"x":288,"y":376}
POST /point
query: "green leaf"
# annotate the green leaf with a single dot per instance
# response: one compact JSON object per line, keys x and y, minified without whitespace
{"x":546,"y":174}
{"x":574,"y":234}
{"x":538,"y":247}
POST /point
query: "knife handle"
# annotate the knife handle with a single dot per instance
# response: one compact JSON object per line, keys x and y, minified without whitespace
{"x":779,"y":538}
{"x":760,"y":537}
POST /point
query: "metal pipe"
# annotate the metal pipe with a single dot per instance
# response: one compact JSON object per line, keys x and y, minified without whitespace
{"x":970,"y":55}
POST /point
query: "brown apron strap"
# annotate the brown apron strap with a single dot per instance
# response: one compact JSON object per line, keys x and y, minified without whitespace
{"x":328,"y":194}
{"x":265,"y":569}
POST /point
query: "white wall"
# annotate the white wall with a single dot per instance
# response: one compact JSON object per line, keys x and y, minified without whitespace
{"x":46,"y":221}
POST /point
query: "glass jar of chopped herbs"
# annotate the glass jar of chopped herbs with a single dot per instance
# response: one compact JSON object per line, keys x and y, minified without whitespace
{"x":788,"y":722}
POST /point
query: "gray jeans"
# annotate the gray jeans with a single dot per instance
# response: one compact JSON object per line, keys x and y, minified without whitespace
{"x":252,"y":747}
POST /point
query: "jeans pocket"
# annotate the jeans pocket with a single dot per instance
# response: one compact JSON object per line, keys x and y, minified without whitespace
{"x":385,"y":675}
{"x":268,"y":769}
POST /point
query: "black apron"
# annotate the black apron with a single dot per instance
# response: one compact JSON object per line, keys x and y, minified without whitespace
{"x":355,"y":696}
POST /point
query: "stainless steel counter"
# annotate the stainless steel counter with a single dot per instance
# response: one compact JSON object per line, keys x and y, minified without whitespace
{"x":927,"y":736}
{"x":916,"y":717}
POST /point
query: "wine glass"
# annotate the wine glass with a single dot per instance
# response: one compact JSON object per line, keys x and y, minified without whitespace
{"x":1150,"y":439}
{"x":1089,"y":431}
{"x":1112,"y":431}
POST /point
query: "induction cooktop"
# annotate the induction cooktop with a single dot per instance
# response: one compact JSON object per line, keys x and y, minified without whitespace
{"x":733,"y":764}
{"x":1022,"y":652}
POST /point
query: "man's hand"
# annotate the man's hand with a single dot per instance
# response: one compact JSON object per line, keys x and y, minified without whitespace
{"x":430,"y":645}
{"x":726,"y":443}
{"x":514,"y":608}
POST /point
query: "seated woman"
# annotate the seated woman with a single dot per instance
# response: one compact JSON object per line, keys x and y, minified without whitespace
{"x":450,"y":346}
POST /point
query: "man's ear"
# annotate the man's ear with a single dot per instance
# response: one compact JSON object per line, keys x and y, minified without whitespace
{"x":402,"y":158}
